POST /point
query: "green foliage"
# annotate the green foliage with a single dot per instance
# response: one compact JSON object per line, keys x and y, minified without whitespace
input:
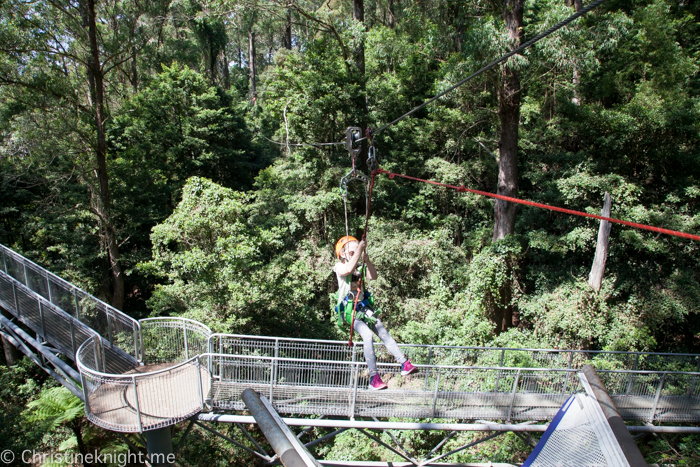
{"x":240,"y":235}
{"x":18,"y":384}
{"x":55,"y":407}
{"x":232,"y":274}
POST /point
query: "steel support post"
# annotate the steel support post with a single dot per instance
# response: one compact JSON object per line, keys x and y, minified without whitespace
{"x":77,"y":304}
{"x":72,"y":341}
{"x":436,"y":391}
{"x":656,"y":399}
{"x":136,"y":399}
{"x":109,"y":328}
{"x":14,"y":294}
{"x":48,"y":287}
{"x":136,"y":345}
{"x":427,"y":369}
{"x":356,"y":368}
{"x":160,"y":446}
{"x":200,"y":390}
{"x":631,"y":381}
{"x":500,"y":364}
{"x":512,"y":399}
{"x":272,"y":377}
{"x":566,"y":381}
{"x":187,"y":349}
{"x":86,"y":394}
{"x":43,"y":321}
{"x":691,"y":388}
{"x":275,"y":366}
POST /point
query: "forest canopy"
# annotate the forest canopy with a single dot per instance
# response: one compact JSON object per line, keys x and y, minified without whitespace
{"x":137,"y":144}
{"x":160,"y":155}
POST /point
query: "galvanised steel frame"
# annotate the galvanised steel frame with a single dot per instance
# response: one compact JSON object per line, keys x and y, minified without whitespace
{"x":143,"y":363}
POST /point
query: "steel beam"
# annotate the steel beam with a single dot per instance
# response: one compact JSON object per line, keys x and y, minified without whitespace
{"x":288,"y":448}
{"x":40,"y":348}
{"x":524,"y":427}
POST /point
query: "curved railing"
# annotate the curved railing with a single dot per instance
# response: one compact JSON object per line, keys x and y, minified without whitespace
{"x":170,"y":386}
{"x":173,"y":339}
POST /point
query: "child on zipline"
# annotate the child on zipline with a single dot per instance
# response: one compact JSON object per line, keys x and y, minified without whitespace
{"x":349,"y":250}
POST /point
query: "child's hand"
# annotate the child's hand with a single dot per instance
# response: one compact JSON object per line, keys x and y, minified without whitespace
{"x":361,"y":246}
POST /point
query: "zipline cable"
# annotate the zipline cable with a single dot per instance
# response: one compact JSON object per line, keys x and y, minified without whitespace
{"x":480,"y":71}
{"x":503,"y":58}
{"x":462,"y":188}
{"x":338,"y":143}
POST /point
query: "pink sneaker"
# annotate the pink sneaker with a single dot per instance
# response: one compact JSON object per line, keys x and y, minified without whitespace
{"x":407,"y":368}
{"x":376,"y":383}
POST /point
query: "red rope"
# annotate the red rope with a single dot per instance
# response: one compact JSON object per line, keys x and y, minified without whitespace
{"x":462,"y":188}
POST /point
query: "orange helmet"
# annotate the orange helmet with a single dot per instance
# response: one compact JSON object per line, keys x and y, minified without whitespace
{"x":341,"y":244}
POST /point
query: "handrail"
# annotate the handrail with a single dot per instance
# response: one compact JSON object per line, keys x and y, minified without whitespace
{"x":343,"y":345}
{"x":86,"y":369}
{"x":444,"y":367}
{"x":70,"y":288}
{"x":65,"y":282}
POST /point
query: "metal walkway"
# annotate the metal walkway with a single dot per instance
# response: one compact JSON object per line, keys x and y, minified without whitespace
{"x":143,"y":375}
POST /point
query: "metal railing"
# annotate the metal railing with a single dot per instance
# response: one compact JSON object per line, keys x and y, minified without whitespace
{"x":238,"y":344}
{"x":115,"y":327}
{"x":335,"y":388}
{"x":52,"y":324}
{"x":145,"y":375}
{"x":138,"y":401}
{"x":173,"y":339}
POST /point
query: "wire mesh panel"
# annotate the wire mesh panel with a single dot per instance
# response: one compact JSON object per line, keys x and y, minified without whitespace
{"x":113,"y":325}
{"x":57,"y":327}
{"x":237,"y":344}
{"x":36,"y":280}
{"x":170,"y":340}
{"x":62,"y":296}
{"x":106,"y":406}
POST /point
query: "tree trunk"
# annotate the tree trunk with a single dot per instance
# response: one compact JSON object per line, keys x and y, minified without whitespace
{"x":12,"y":355}
{"x":96,"y":82}
{"x":288,"y":31}
{"x":509,"y":113}
{"x":576,"y":80}
{"x":358,"y":14}
{"x":82,"y":449}
{"x":392,"y":18}
{"x":595,"y":278}
{"x":251,"y":66}
{"x":225,"y":71}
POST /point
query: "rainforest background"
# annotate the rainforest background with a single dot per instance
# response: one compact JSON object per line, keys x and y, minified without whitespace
{"x":138,"y":161}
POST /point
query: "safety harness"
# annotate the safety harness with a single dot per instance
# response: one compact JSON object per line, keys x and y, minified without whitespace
{"x":362,"y":307}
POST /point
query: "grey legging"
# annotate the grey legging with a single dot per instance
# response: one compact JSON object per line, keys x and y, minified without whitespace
{"x":368,"y":342}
